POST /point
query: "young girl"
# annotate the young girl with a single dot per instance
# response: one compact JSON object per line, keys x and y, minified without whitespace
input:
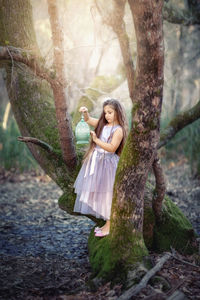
{"x":94,"y":183}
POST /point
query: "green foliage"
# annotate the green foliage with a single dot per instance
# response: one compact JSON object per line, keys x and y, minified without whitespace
{"x":14,"y":154}
{"x":187,"y":143}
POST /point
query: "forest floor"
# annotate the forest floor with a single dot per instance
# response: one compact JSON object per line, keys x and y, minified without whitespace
{"x":43,"y":250}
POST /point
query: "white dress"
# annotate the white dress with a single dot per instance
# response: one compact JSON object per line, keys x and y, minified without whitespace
{"x":94,"y":183}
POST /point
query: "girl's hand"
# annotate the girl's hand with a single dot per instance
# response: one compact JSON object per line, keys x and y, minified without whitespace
{"x":83,"y":109}
{"x":93,"y":135}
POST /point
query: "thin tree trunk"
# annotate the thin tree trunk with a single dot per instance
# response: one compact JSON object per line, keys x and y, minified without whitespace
{"x":116,"y":22}
{"x":160,"y":188}
{"x":62,"y":115}
{"x":120,"y":29}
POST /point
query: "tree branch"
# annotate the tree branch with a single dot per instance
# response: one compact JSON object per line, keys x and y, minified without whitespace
{"x":20,"y":55}
{"x":39,"y":143}
{"x":134,"y":290}
{"x":176,"y":15}
{"x":116,"y":22}
{"x":179,"y":122}
{"x":181,"y":260}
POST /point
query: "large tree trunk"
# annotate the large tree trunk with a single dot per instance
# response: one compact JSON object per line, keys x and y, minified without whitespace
{"x":31,"y":98}
{"x":125,"y":244}
{"x":134,"y":224}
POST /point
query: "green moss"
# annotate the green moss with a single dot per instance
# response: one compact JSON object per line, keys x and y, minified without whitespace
{"x":148,"y":227}
{"x":34,"y":110}
{"x":135,"y":108}
{"x":129,"y":157}
{"x":66,"y":201}
{"x":121,"y":249}
{"x":40,"y":115}
{"x":113,"y":256}
{"x":174,"y":231}
{"x":107,"y":258}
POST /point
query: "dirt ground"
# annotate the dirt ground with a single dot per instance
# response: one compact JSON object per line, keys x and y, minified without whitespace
{"x":44,"y":256}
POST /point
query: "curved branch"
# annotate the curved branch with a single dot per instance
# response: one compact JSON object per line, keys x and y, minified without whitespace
{"x":20,"y":55}
{"x":176,"y":15}
{"x":179,"y":122}
{"x":43,"y":145}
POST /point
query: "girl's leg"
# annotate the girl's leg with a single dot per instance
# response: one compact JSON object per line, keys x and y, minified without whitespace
{"x":106,"y":227}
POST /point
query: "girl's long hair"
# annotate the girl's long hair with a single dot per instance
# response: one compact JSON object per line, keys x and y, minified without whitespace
{"x":121,"y":117}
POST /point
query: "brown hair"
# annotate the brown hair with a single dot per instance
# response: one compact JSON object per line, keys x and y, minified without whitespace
{"x":121,"y":117}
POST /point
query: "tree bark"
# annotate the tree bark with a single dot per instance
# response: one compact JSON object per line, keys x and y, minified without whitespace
{"x":141,"y":145}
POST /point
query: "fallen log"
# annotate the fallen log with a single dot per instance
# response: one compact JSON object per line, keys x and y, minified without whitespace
{"x":134,"y":290}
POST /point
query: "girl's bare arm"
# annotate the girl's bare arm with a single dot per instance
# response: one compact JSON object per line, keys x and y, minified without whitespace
{"x":91,"y":121}
{"x":110,"y":147}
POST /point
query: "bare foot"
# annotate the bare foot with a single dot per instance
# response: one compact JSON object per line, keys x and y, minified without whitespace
{"x":106,"y":228}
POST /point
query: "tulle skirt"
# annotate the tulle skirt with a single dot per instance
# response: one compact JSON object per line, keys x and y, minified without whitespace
{"x":94,"y":184}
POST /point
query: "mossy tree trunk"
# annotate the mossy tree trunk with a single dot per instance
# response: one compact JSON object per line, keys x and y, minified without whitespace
{"x":125,"y":245}
{"x":134,"y":224}
{"x":31,"y":98}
